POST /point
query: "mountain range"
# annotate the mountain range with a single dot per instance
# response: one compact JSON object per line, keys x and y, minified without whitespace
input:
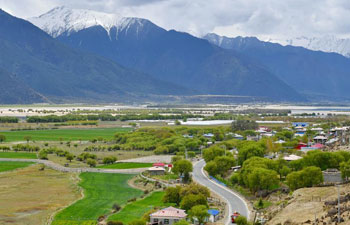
{"x":171,"y":56}
{"x":327,"y":43}
{"x":317,"y":75}
{"x":73,"y":55}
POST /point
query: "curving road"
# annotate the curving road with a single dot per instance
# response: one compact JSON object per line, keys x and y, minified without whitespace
{"x":234,"y":201}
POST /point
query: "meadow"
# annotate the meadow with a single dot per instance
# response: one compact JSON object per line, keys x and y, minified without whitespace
{"x":126,"y":165}
{"x":63,"y":134}
{"x":137,"y":209}
{"x":101,"y":191}
{"x":30,"y":196}
{"x":7,"y":166}
{"x":18,"y":155}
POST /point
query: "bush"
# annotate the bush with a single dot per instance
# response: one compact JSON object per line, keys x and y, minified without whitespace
{"x":42,"y":154}
{"x":116,"y":207}
{"x":91,"y":162}
{"x":137,"y":222}
{"x":109,"y":160}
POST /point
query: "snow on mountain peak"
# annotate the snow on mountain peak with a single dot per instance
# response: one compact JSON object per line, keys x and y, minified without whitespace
{"x":327,"y":43}
{"x":63,"y":19}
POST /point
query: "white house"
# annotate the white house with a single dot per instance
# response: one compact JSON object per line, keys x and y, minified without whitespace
{"x":167,"y":216}
{"x":156,"y":170}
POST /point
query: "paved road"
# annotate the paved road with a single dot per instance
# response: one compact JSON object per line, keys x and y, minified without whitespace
{"x":58,"y":167}
{"x":235,"y":202}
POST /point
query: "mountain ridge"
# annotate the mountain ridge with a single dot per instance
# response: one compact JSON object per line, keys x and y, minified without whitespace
{"x":176,"y":57}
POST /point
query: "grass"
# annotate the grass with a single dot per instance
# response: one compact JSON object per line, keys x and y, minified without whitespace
{"x":18,"y":155}
{"x":101,"y":191}
{"x":265,"y":204}
{"x":63,"y":134}
{"x":126,"y":165}
{"x":137,"y":209}
{"x":30,"y":196}
{"x":169,"y":176}
{"x":7,"y":166}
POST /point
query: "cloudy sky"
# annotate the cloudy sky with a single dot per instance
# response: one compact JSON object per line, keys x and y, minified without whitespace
{"x":262,"y":18}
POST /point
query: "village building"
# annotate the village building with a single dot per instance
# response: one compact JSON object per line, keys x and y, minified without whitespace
{"x":167,"y":216}
{"x":320,"y":139}
{"x":156,"y":171}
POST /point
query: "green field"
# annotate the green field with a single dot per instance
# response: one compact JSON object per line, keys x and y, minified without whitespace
{"x":18,"y":155}
{"x":6,"y":166}
{"x":126,"y":165}
{"x":63,"y":134}
{"x":101,"y":191}
{"x":138,"y":208}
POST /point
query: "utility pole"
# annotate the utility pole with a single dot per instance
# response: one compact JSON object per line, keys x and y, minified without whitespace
{"x":338,"y":204}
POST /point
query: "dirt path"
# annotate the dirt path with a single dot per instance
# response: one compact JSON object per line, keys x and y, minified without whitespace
{"x":58,"y":167}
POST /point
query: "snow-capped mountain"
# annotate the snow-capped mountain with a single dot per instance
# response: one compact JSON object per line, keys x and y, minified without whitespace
{"x":329,"y":43}
{"x":64,"y":20}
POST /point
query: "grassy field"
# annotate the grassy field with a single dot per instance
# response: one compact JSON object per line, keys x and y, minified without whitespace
{"x":30,"y":196}
{"x":101,"y":191}
{"x":18,"y":155}
{"x":126,"y":165}
{"x":138,"y":208}
{"x":63,"y":134}
{"x":7,"y":166}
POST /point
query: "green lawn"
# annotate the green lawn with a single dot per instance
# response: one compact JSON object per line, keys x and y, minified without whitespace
{"x":6,"y":166}
{"x":137,"y":209}
{"x":101,"y":191}
{"x":64,"y":134}
{"x":126,"y":165}
{"x":18,"y":155}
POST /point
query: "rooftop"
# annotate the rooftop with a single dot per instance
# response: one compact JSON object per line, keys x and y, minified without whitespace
{"x":170,"y":212}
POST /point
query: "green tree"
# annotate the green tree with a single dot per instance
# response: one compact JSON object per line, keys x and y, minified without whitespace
{"x":212,"y":168}
{"x":262,"y":179}
{"x":250,"y":149}
{"x":345,"y":170}
{"x":191,"y":200}
{"x":109,"y":160}
{"x":241,"y":220}
{"x":199,"y":212}
{"x":242,"y":125}
{"x":285,"y":171}
{"x":212,"y":152}
{"x":42,"y":154}
{"x":172,"y":195}
{"x":91,"y":162}
{"x":307,"y":177}
{"x":2,"y":138}
{"x":183,"y":167}
{"x":224,"y":163}
{"x":27,"y":138}
{"x":69,"y":157}
{"x":194,"y":188}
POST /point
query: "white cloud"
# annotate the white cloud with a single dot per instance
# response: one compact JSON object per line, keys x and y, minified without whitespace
{"x":262,"y":18}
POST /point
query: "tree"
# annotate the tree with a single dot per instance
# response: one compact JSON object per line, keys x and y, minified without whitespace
{"x":194,"y":188}
{"x":212,"y":168}
{"x":172,"y":195}
{"x":250,"y":149}
{"x":345,"y":170}
{"x":69,"y":157}
{"x":242,"y":125}
{"x":285,"y":171}
{"x":27,"y":138}
{"x":262,"y":179}
{"x":2,"y":138}
{"x":307,"y":177}
{"x":241,"y":220}
{"x":191,"y":200}
{"x":176,"y":158}
{"x":183,"y":167}
{"x":200,"y":212}
{"x":109,"y":159}
{"x":212,"y":152}
{"x":224,"y":163}
{"x":91,"y":162}
{"x":42,"y":154}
